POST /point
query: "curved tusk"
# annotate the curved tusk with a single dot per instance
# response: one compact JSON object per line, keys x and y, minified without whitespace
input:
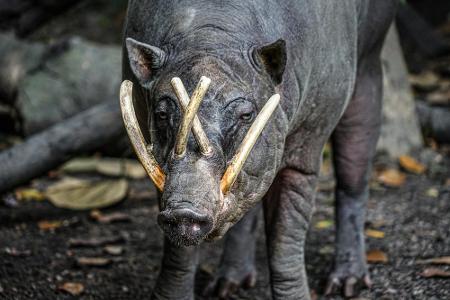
{"x":236,"y":164}
{"x":188,"y":117}
{"x":147,"y":159}
{"x":183,"y":99}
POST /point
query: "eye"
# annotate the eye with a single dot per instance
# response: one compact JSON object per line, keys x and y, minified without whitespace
{"x":247,"y":116}
{"x":161,"y":115}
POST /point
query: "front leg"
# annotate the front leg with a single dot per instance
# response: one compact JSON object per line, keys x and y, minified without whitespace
{"x":237,"y":266}
{"x":176,"y":279}
{"x":288,"y":209}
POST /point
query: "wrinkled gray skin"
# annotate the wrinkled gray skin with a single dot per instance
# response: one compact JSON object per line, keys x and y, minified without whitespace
{"x":322,"y":57}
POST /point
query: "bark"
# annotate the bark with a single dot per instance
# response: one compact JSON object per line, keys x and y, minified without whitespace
{"x":44,"y":151}
{"x":400,"y":131}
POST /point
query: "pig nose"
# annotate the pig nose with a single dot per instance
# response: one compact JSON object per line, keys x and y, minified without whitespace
{"x":187,"y":226}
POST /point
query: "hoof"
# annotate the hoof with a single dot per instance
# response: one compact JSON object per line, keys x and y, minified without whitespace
{"x":347,"y":285}
{"x":225,"y":287}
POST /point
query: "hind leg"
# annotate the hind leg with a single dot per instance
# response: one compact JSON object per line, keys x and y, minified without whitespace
{"x":354,"y":141}
{"x":237,"y":266}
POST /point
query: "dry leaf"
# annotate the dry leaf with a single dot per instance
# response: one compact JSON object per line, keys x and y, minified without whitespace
{"x":29,"y":194}
{"x":17,"y":253}
{"x":434,"y":272}
{"x":375,"y":233}
{"x":106,"y":166}
{"x":109,"y":218}
{"x":411,"y":165}
{"x":376,"y":256}
{"x":73,"y":288}
{"x":426,"y":81}
{"x":444,"y":260}
{"x":439,"y":98}
{"x":324,"y":224}
{"x":207,"y":268}
{"x":80,"y":165}
{"x":113,"y":249}
{"x":377,"y":223}
{"x":79,"y":194}
{"x":327,"y":249}
{"x":49,"y":225}
{"x":392,"y":178}
{"x":93,"y":261}
{"x":95,"y":241}
{"x":432,"y":192}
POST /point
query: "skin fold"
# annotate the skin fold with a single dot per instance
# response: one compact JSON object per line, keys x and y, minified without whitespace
{"x":322,"y":57}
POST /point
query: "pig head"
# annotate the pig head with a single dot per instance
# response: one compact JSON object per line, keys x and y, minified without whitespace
{"x":205,"y":156}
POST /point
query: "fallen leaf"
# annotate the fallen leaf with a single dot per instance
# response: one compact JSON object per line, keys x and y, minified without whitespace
{"x":73,"y":288}
{"x":426,"y":81}
{"x":80,"y":165}
{"x":79,"y":194}
{"x":113,"y":249}
{"x":109,"y":218}
{"x":376,"y":256}
{"x":93,"y":261}
{"x":135,"y":170}
{"x":443,"y":260}
{"x":439,"y":98}
{"x":392,"y":178}
{"x":376,"y":223}
{"x":106,"y":166}
{"x":29,"y":194}
{"x":17,"y":253}
{"x":95,"y":241}
{"x":139,"y":194}
{"x":324,"y":224}
{"x":325,"y":250}
{"x":375,"y":233}
{"x":432,"y":192}
{"x":49,"y":225}
{"x":434,"y":272}
{"x":207,"y":268}
{"x":411,"y":165}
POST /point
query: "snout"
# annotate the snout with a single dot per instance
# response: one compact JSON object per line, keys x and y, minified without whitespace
{"x":185,"y":226}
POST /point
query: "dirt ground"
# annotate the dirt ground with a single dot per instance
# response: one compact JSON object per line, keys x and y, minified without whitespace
{"x":34,"y":263}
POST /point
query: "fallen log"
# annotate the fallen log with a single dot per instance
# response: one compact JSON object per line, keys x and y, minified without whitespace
{"x":84,"y":132}
{"x":435,"y":121}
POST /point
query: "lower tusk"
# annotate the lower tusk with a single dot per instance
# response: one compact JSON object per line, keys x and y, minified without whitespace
{"x":236,"y":164}
{"x":147,"y":159}
{"x":199,"y":133}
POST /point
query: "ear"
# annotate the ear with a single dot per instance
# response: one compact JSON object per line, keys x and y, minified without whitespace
{"x":144,"y":59}
{"x":273,"y":58}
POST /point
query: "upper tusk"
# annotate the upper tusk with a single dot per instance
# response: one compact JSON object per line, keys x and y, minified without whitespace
{"x":188,"y":117}
{"x":199,"y":133}
{"x":147,"y":159}
{"x":237,"y":162}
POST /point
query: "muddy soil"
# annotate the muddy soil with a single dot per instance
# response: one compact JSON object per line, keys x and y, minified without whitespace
{"x":34,"y":263}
